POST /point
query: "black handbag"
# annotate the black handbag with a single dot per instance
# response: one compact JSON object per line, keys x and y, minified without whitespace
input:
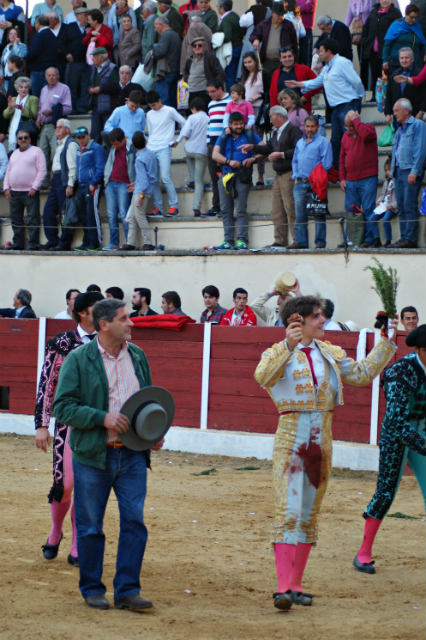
{"x":315,"y":207}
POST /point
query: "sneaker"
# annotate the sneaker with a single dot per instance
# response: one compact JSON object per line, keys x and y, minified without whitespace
{"x":110,"y":247}
{"x":241,"y":245}
{"x":94,"y":249}
{"x":127,"y":247}
{"x":82,"y":247}
{"x":225,"y":246}
{"x":173,"y":211}
{"x":211,"y":212}
{"x":197,"y":213}
{"x":156,"y":213}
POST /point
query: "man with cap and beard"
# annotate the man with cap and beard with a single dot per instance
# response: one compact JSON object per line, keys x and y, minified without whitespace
{"x":402,"y":438}
{"x":94,"y":384}
{"x":56,"y":351}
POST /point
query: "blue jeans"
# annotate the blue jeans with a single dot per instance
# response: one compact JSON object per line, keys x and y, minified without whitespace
{"x":300,"y":191}
{"x":38,"y":81}
{"x":87,"y":207}
{"x":338,"y":126}
{"x":363,"y":193}
{"x":407,"y":196}
{"x":117,"y":204}
{"x":125,"y":472}
{"x":167,"y":88}
{"x":231,"y":69}
{"x":164,"y":157}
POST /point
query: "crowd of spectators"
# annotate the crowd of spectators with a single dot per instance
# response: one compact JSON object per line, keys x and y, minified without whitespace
{"x":237,"y":89}
{"x":260,"y":312}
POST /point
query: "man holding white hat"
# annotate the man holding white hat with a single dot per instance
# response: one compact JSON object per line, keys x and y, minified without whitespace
{"x":104,"y":392}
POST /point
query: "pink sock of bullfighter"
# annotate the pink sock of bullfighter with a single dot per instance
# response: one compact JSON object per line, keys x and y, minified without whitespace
{"x":58,"y":511}
{"x":300,"y":559}
{"x":284,"y":558}
{"x":371,"y":528}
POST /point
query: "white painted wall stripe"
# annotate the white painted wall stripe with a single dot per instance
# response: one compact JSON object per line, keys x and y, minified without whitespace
{"x":205,"y":375}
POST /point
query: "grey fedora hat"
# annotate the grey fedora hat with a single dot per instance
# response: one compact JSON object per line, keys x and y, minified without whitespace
{"x":150,"y":411}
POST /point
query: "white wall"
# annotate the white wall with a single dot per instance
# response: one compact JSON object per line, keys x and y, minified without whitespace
{"x":347,"y":284}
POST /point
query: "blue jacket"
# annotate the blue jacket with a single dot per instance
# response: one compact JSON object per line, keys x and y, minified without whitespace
{"x":90,"y":164}
{"x":409,"y":144}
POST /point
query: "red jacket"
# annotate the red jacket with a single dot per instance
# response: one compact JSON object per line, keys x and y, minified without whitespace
{"x":303,"y":72}
{"x":248,"y":319}
{"x":105,"y":39}
{"x":359,"y":155}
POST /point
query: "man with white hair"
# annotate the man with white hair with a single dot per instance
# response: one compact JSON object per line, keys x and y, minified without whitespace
{"x":407,"y":169}
{"x":55,"y":102}
{"x":63,"y":181}
{"x":167,"y":51}
{"x":338,"y":31}
{"x":280,"y":149}
{"x":59,"y":31}
{"x":149,"y":36}
{"x":77,"y":75}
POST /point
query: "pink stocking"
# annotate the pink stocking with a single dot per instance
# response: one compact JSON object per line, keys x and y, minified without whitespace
{"x":300,"y":559}
{"x":371,"y":528}
{"x":73,"y":551}
{"x":284,"y":558}
{"x":58,"y":511}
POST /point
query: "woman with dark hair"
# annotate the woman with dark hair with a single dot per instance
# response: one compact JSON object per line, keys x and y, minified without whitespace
{"x":252,"y":79}
{"x":404,"y":33}
{"x":290,"y":100}
{"x":98,"y":34}
{"x":382,"y":15}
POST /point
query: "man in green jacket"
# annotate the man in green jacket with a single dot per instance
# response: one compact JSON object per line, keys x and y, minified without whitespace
{"x":94,"y":382}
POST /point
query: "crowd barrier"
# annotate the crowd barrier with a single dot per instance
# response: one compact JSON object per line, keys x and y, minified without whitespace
{"x":208,"y":369}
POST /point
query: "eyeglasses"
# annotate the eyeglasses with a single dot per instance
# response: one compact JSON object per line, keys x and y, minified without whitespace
{"x":197,"y":46}
{"x":80,"y":133}
{"x":23,"y":137}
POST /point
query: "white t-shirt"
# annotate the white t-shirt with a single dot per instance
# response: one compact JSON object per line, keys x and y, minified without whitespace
{"x":63,"y":315}
{"x":161,"y":127}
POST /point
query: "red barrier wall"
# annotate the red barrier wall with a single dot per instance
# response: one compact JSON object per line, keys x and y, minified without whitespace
{"x":236,"y":402}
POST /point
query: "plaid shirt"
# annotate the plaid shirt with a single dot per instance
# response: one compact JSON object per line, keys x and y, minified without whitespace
{"x":215,"y":317}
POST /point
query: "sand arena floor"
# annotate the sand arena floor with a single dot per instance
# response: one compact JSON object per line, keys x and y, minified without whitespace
{"x":208,"y":566}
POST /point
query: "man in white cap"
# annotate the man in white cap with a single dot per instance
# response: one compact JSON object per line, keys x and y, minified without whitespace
{"x":94,"y":382}
{"x":63,"y":181}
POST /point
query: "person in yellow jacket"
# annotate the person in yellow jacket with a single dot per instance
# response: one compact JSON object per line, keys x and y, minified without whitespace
{"x":304,"y":376}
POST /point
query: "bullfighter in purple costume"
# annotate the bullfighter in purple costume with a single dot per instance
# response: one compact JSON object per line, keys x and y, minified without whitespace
{"x":63,"y":480}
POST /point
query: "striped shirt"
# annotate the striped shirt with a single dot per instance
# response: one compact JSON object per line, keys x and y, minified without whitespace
{"x":216,"y":112}
{"x":122,"y":381}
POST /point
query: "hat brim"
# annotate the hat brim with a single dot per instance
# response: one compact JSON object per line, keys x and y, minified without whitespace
{"x":160,"y":395}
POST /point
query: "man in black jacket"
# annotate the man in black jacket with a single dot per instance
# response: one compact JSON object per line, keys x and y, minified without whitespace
{"x":21,"y":306}
{"x":397,"y":89}
{"x":167,"y":53}
{"x":338,"y":31}
{"x":280,"y":149}
{"x":41,"y":54}
{"x":201,"y":70}
{"x":77,"y":75}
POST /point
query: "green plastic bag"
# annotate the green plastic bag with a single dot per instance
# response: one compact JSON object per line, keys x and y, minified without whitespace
{"x":387,"y":136}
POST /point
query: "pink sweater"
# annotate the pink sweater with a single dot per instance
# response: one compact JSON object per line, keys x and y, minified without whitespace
{"x":245,"y":108}
{"x":26,"y":170}
{"x":420,"y":78}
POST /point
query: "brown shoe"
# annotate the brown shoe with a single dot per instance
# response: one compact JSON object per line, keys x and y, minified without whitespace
{"x":134,"y":603}
{"x":127,"y":247}
{"x":297,"y":246}
{"x":148,"y":247}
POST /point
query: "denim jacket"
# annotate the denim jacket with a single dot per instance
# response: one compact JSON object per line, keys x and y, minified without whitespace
{"x":409,"y":145}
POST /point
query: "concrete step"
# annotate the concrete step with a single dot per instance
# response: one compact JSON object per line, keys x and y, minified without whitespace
{"x":186,"y":234}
